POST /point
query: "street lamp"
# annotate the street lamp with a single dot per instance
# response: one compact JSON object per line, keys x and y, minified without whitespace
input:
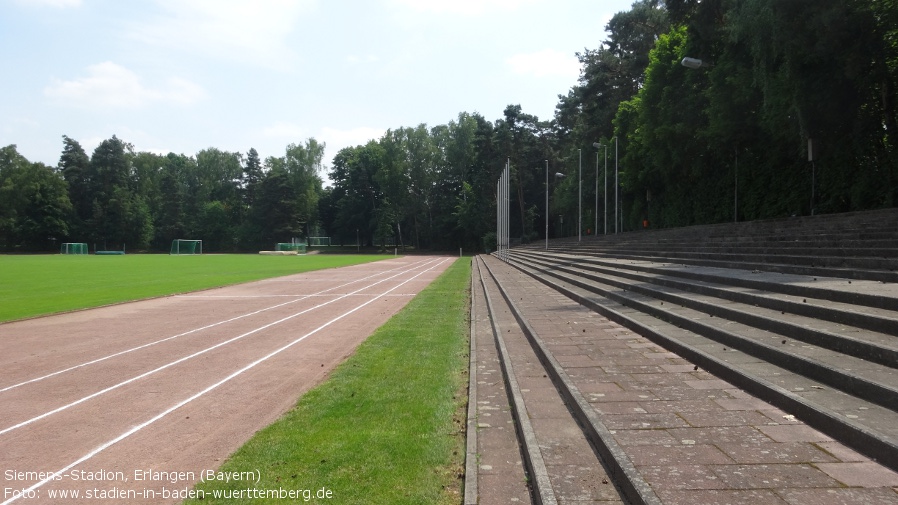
{"x":558,"y":175}
{"x":695,"y":63}
{"x":597,"y":145}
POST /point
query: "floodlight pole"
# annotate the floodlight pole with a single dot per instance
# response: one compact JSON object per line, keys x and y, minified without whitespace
{"x":547,"y":205}
{"x":598,"y":145}
{"x":595,"y":228}
{"x":558,"y":175}
{"x":580,"y":199}
{"x":695,"y":64}
{"x":616,"y":187}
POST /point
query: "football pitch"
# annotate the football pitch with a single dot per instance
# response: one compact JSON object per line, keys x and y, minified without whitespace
{"x":46,"y":284}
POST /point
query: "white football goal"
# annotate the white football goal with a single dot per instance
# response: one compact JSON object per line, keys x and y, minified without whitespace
{"x":73,"y":248}
{"x":186,"y":246}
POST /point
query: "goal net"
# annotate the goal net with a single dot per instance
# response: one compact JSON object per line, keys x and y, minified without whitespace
{"x":185,"y":246}
{"x":73,"y":248}
{"x":291,"y":246}
{"x":319,"y":241}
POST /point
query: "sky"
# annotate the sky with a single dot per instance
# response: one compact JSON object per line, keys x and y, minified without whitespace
{"x":185,"y":75}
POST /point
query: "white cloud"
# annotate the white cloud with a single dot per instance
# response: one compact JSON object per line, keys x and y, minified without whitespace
{"x":286,"y":130}
{"x":247,"y":31}
{"x":338,"y":139}
{"x":51,"y":3}
{"x":463,"y":7}
{"x":543,"y":63}
{"x":356,"y":59}
{"x":110,"y":85}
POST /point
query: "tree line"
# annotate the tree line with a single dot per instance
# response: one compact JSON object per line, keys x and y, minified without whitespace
{"x":118,"y":198}
{"x":792,"y":111}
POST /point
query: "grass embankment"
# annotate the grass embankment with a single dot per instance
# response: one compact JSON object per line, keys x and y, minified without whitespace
{"x":387,"y":427}
{"x":36,"y":285}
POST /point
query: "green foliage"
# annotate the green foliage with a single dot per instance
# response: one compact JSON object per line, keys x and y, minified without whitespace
{"x":728,"y":141}
{"x":722,"y":142}
{"x":34,"y":204}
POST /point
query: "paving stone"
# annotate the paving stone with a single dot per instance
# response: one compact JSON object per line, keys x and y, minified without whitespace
{"x":785,"y":452}
{"x":721,"y":497}
{"x":743,"y":404}
{"x":661,"y":455}
{"x":642,"y":421}
{"x":680,"y":477}
{"x":708,"y":384}
{"x":644,"y":437}
{"x":772,"y":476}
{"x":862,"y":474}
{"x":711,"y":417}
{"x":843,"y":496}
{"x":841,"y":452}
{"x":794,"y":433}
{"x":578,"y":484}
{"x":722,"y":434}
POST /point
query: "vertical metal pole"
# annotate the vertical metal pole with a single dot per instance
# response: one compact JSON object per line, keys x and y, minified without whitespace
{"x":595,"y":229}
{"x":580,"y":199}
{"x":606,"y":190}
{"x":813,"y":185}
{"x":507,"y":208}
{"x":736,"y":189}
{"x":547,"y":205}
{"x":616,"y":186}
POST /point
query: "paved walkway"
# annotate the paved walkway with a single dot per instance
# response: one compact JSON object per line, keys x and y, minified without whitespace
{"x":695,"y":439}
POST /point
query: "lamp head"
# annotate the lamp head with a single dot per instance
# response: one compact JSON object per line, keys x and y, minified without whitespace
{"x":692,"y":63}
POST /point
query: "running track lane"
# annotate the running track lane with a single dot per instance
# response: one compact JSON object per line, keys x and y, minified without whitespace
{"x":176,"y":384}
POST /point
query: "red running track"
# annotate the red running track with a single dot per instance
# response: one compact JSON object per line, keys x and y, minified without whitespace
{"x":135,"y":401}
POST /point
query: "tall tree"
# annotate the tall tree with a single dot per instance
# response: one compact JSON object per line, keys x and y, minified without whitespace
{"x":112,"y":200}
{"x":75,"y":165}
{"x":252,"y":176}
{"x":34,"y":204}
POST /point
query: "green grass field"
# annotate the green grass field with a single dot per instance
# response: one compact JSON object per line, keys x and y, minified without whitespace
{"x":387,"y":427}
{"x":45,"y":284}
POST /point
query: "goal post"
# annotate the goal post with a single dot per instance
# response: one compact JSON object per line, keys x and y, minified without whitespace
{"x":73,"y":248}
{"x":299,"y":247}
{"x":181,"y":246}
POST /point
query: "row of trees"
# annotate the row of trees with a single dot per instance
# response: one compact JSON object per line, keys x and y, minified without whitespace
{"x":726,"y":141}
{"x":794,"y":111}
{"x":119,"y":198}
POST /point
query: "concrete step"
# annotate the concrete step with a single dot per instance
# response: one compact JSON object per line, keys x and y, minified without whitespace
{"x":863,"y":304}
{"x":753,"y":331}
{"x":865,"y":426}
{"x":753,"y":309}
{"x":758,"y":263}
{"x":561,"y":464}
{"x":687,"y":435}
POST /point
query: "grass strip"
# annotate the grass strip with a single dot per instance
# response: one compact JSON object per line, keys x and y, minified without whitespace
{"x":387,"y":427}
{"x":46,"y":284}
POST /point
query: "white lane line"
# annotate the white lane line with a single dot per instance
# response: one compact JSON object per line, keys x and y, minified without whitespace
{"x":180,"y":404}
{"x":249,"y":314}
{"x":185,"y":358}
